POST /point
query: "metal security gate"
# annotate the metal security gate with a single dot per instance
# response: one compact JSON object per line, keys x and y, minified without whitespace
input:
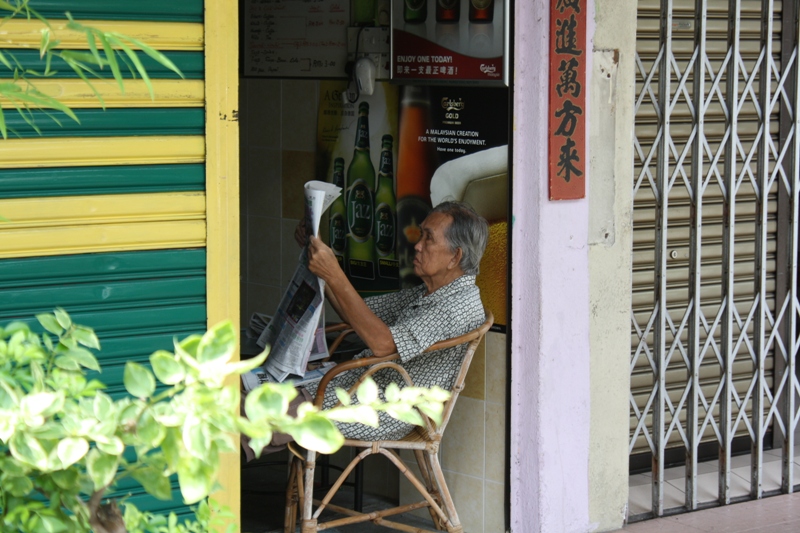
{"x":715,"y":303}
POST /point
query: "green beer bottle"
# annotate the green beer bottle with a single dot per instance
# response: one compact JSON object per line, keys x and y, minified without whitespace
{"x":385,"y":214}
{"x":337,"y":225}
{"x":360,"y":184}
{"x":415,"y":11}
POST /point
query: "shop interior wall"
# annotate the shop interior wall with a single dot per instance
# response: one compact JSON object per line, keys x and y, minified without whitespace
{"x":278,"y":125}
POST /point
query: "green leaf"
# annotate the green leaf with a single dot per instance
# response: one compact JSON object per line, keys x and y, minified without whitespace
{"x":405,"y":413}
{"x":66,"y":479}
{"x":167,"y":368}
{"x":242,"y":367}
{"x":63,"y":318}
{"x":28,"y":450}
{"x":269,"y":401}
{"x":149,"y":430}
{"x":217,"y":344}
{"x":315,"y":432}
{"x":67,"y":363}
{"x":196,"y":438}
{"x":367,"y":392}
{"x":135,"y":60}
{"x":84,"y":358}
{"x":3,"y":129}
{"x":103,"y":406}
{"x":111,"y":446}
{"x":71,"y":450}
{"x":50,"y":323}
{"x":343,"y":397}
{"x":18,"y":486}
{"x":357,"y":413}
{"x":112,"y":60}
{"x":101,"y":468}
{"x":187,"y":350}
{"x":196,"y":480}
{"x":155,"y":54}
{"x":139,"y":381}
{"x":154,"y":481}
{"x":86,"y":337}
{"x":41,"y":403}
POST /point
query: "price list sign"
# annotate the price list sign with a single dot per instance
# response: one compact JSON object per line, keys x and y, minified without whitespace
{"x":567,"y":106}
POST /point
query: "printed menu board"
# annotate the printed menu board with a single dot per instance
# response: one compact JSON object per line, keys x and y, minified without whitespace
{"x":295,"y":38}
{"x":449,"y":40}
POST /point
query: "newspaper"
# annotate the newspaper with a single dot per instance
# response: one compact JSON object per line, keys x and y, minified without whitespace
{"x":295,"y":334}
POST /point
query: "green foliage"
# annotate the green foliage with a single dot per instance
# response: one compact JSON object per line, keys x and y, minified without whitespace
{"x":64,"y":442}
{"x":106,"y":49}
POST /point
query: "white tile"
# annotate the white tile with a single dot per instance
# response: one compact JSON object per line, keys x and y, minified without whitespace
{"x":637,"y":480}
{"x":640,"y":498}
{"x":740,"y":481}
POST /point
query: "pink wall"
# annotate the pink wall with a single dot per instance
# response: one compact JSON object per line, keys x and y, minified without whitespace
{"x":549,"y":311}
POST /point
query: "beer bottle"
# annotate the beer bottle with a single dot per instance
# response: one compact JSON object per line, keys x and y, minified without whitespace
{"x":363,"y":12}
{"x":416,"y":163}
{"x":337,"y":223}
{"x":360,"y":184}
{"x":481,"y":10}
{"x":415,"y":11}
{"x":385,"y":212}
{"x":448,"y":10}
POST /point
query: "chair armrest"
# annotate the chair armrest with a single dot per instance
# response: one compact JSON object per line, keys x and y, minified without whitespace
{"x":367,"y":361}
{"x":345,"y":330}
{"x":348,"y":365}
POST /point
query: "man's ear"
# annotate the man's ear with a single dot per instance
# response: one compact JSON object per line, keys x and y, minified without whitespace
{"x":456,"y":260}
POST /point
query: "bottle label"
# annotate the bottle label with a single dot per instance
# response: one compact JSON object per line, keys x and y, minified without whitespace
{"x":388,"y":268}
{"x":415,"y":5}
{"x":384,"y":230}
{"x":362,"y":135}
{"x":481,"y":4}
{"x":386,"y":162}
{"x":448,"y":4}
{"x":359,"y":211}
{"x":361,"y":269}
{"x":338,"y":233}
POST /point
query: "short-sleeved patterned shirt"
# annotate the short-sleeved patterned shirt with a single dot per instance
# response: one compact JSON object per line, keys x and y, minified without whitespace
{"x":416,"y":322}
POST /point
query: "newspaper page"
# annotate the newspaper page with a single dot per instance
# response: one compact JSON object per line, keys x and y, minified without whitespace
{"x":295,"y":334}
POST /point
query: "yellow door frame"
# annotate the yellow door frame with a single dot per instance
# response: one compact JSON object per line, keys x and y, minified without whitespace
{"x":222,"y":194}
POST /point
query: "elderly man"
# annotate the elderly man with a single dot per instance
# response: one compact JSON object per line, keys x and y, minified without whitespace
{"x":447,"y":304}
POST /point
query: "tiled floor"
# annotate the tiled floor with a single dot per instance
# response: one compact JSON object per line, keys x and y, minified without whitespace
{"x":775,"y":514}
{"x":778,"y":514}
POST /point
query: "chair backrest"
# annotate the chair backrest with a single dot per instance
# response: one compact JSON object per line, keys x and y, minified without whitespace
{"x":474,"y":338}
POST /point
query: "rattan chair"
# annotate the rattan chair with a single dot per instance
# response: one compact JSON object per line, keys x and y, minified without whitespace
{"x":424,"y":441}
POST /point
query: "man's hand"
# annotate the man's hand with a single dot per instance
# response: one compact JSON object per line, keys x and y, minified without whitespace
{"x":346,"y":301}
{"x":300,"y":233}
{"x":322,"y":261}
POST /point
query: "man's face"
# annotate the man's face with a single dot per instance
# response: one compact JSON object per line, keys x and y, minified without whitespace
{"x":433,"y":252}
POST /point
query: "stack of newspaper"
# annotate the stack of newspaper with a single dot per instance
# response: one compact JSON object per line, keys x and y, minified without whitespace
{"x":295,"y":334}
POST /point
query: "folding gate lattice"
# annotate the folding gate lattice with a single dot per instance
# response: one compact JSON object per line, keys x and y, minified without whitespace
{"x":715,"y":303}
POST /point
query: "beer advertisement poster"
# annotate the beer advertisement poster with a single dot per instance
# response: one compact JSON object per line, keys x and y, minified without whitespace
{"x":454,"y":146}
{"x":449,"y":40}
{"x":357,"y":150}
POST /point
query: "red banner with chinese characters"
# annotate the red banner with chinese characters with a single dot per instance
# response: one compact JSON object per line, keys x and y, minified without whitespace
{"x":567,"y":108}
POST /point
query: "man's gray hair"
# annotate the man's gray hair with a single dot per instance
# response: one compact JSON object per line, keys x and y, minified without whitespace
{"x":468,"y":231}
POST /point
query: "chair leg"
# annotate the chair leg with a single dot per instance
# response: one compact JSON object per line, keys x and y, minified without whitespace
{"x":292,"y":497}
{"x":454,"y":525}
{"x":309,"y":524}
{"x":425,"y":472}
